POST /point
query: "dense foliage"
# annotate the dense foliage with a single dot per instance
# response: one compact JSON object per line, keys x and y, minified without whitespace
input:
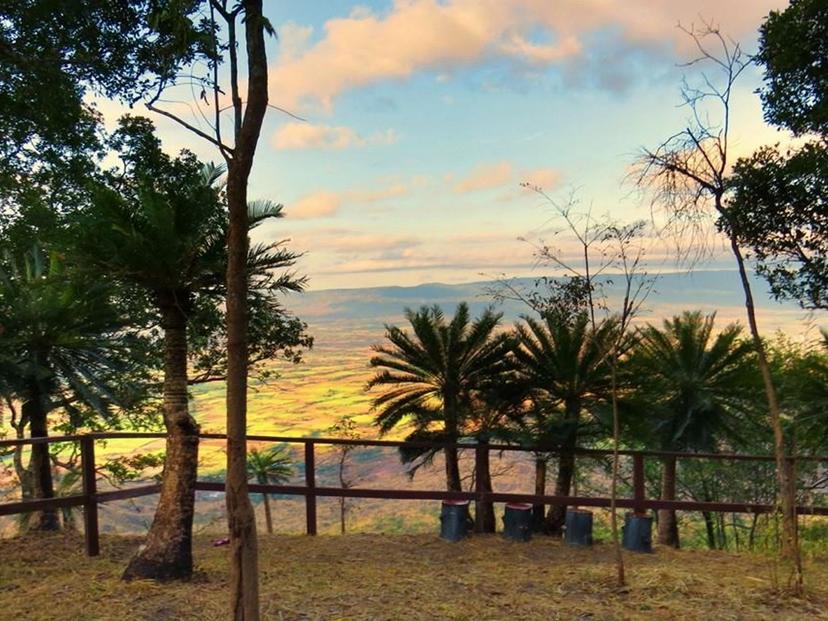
{"x":778,"y":200}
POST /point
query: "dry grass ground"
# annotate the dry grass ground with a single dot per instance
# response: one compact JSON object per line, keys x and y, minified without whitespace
{"x":405,"y":577}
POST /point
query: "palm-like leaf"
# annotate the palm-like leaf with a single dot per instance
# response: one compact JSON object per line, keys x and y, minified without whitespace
{"x":270,"y":466}
{"x":693,"y":383}
{"x":59,"y":333}
{"x":432,"y":373}
{"x":564,"y":364}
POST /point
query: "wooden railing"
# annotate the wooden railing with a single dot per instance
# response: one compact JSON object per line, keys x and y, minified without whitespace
{"x":91,"y":497}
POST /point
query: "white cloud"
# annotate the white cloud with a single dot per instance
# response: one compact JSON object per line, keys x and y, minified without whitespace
{"x":544,"y":178}
{"x":503,"y":174}
{"x":326,"y":204}
{"x":485,"y":177}
{"x":317,"y":205}
{"x":416,"y":35}
{"x":297,"y":135}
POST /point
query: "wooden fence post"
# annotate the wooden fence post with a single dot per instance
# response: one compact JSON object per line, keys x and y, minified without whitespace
{"x":638,"y":483}
{"x":310,"y":483}
{"x":90,"y":489}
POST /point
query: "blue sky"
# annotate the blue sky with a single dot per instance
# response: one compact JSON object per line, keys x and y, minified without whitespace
{"x":423,"y":116}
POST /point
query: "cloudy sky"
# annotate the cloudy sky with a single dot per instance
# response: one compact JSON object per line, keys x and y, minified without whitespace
{"x":422,"y":117}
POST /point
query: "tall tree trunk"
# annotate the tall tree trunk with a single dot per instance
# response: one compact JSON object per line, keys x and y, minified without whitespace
{"x":40,"y":464}
{"x":668,"y":534}
{"x":484,"y":514}
{"x":709,"y":529}
{"x":540,"y":490}
{"x":620,"y":570}
{"x":735,"y":525}
{"x":168,"y":552}
{"x":268,"y":516}
{"x":556,"y":518}
{"x":787,"y":487}
{"x":244,"y":564}
{"x":241,"y":520}
{"x":722,"y":534}
{"x":754,"y":522}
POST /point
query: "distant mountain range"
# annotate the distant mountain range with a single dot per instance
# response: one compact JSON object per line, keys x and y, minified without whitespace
{"x":705,"y":290}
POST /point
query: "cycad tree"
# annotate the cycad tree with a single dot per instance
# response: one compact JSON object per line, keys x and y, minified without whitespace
{"x":564,"y":362}
{"x":161,"y":226}
{"x":62,"y":337}
{"x":693,"y":385}
{"x":271,"y":466}
{"x":433,"y":375}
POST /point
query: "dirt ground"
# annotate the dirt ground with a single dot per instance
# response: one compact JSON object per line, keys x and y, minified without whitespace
{"x":407,"y":577}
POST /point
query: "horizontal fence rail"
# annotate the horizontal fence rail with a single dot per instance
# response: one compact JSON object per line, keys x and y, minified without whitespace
{"x":90,"y":498}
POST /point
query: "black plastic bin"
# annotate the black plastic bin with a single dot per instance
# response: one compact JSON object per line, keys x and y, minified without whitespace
{"x":637,"y":533}
{"x":578,"y":527}
{"x":517,"y":521}
{"x":455,"y":521}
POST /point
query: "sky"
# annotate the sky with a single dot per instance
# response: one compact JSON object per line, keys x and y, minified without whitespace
{"x":421,"y":118}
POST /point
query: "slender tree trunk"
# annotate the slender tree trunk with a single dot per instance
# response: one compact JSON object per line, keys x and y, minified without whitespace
{"x":734,"y":524}
{"x":556,"y":518}
{"x":244,"y":571}
{"x":787,"y":488}
{"x":268,"y":516}
{"x":620,"y":571}
{"x":344,"y":484}
{"x":241,"y":520}
{"x":754,"y":522}
{"x":40,"y":464}
{"x":484,"y":511}
{"x":540,"y":490}
{"x":720,"y":522}
{"x":168,"y":552}
{"x":668,"y":534}
{"x":710,"y":529}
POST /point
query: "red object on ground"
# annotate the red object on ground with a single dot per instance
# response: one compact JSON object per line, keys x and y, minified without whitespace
{"x":220,"y":542}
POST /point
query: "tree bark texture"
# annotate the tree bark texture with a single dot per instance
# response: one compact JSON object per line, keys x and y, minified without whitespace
{"x":787,"y":486}
{"x":268,"y":516}
{"x":668,"y":534}
{"x":484,"y":514}
{"x":538,"y":511}
{"x":40,"y":466}
{"x":241,"y":520}
{"x":452,"y":470}
{"x":167,"y":553}
{"x":556,"y":517}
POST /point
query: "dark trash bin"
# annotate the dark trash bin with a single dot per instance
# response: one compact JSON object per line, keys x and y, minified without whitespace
{"x":578,"y":527}
{"x":517,"y":521}
{"x":637,"y":533}
{"x":455,"y":521}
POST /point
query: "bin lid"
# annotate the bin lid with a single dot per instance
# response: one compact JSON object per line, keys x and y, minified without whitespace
{"x":520,"y":506}
{"x":455,"y":502}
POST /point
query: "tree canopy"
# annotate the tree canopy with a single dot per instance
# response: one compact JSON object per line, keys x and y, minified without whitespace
{"x":794,"y":53}
{"x":778,"y":205}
